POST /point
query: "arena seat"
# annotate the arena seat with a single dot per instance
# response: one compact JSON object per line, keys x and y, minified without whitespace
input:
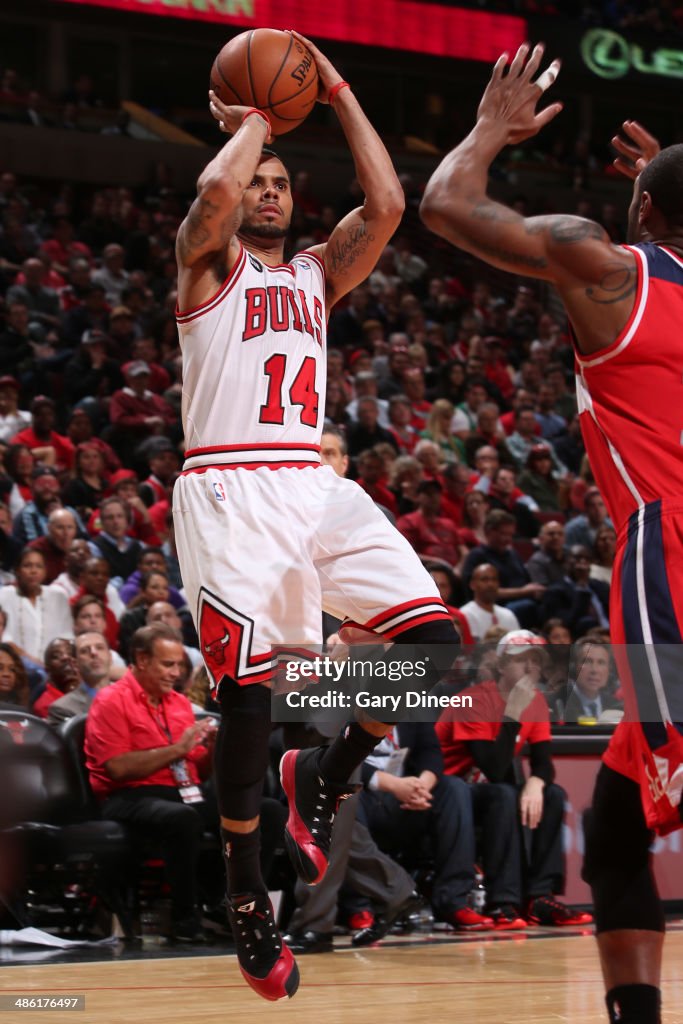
{"x":71,"y":863}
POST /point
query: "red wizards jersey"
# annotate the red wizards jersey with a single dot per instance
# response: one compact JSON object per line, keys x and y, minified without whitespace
{"x":630,"y":395}
{"x":632,"y":421}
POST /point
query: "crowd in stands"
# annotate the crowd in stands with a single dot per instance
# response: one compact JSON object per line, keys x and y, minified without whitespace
{"x":454,"y":401}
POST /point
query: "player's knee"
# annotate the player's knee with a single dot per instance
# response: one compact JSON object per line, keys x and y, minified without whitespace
{"x":438,"y":641}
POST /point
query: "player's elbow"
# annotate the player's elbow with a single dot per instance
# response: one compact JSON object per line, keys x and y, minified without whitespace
{"x":220,"y":191}
{"x":431,"y":209}
{"x":389,"y":208}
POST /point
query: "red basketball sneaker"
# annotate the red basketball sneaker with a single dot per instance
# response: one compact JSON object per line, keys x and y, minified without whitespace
{"x":266,"y":962}
{"x":313,"y":803}
{"x":545,"y":910}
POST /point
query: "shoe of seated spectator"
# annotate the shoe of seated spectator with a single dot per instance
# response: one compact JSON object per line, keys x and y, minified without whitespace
{"x":309,"y":942}
{"x":506,"y":918}
{"x":189,"y":930}
{"x":464,"y":919}
{"x":361,"y":919}
{"x":266,"y":962}
{"x":383,"y":923}
{"x":215,"y":920}
{"x":313,"y":804}
{"x":547,"y":911}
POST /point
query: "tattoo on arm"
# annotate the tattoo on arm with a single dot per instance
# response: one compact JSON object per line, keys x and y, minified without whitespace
{"x":198,"y":228}
{"x":568,"y":230}
{"x":343,"y":253}
{"x":616,"y":283}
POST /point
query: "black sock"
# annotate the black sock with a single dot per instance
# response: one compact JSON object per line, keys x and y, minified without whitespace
{"x":346,"y":752}
{"x":634,"y":1004}
{"x":241,"y":855}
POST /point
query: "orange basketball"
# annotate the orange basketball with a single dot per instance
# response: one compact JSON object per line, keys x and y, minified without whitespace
{"x":271,"y":70}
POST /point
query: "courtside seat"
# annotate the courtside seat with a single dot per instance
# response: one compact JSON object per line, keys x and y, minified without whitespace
{"x":63,"y":845}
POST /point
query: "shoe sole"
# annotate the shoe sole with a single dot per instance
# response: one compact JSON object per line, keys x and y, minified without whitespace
{"x":309,"y":861}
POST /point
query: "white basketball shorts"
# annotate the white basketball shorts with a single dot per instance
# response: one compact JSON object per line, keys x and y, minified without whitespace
{"x":262,"y":552}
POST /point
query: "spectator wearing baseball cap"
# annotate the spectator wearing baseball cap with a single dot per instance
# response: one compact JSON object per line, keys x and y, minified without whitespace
{"x":48,"y":447}
{"x":146,"y":349}
{"x":91,"y":374}
{"x":123,"y":331}
{"x":427,"y":531}
{"x":12,"y":418}
{"x":482,"y":743}
{"x":135,"y":411}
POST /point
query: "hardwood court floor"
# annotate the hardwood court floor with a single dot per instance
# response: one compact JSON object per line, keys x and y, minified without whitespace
{"x":539,"y":978}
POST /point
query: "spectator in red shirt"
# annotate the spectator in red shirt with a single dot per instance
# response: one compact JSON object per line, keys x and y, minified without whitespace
{"x":124,"y":485}
{"x":62,"y":674}
{"x":481,"y":743}
{"x":146,"y":349}
{"x":135,"y":411}
{"x":427,"y":531}
{"x":163,"y":460}
{"x":370,"y":478}
{"x":415,"y":389}
{"x":147,"y":756}
{"x":48,"y":447}
{"x":455,"y":479}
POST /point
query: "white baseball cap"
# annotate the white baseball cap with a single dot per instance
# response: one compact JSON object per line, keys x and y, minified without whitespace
{"x":517,"y":641}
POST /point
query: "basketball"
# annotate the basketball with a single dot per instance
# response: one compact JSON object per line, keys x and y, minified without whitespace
{"x":271,"y":70}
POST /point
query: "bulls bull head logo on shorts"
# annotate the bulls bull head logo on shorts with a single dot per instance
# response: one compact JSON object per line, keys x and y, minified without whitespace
{"x":215,"y":649}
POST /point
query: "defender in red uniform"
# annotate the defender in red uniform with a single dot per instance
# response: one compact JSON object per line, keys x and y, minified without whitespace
{"x":625,"y":304}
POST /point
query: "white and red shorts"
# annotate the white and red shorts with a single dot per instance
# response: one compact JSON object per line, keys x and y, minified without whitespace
{"x":264,"y":550}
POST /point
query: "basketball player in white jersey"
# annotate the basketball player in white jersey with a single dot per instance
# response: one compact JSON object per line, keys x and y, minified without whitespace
{"x":266,"y":535}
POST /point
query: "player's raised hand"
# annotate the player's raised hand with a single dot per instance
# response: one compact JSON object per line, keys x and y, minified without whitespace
{"x":634,"y":158}
{"x":229,"y":117}
{"x":510,"y":99}
{"x":328,"y":76}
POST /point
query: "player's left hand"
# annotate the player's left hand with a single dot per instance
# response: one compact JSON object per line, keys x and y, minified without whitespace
{"x":531,"y":802}
{"x":328,"y":76}
{"x":510,"y":100}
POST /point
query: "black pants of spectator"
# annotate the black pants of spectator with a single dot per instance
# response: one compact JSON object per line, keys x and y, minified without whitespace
{"x":518,"y":863}
{"x":159,"y":814}
{"x":449,"y":825}
{"x":355,"y":861}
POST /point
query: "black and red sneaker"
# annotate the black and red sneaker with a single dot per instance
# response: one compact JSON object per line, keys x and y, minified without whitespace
{"x":266,"y":962}
{"x":549,"y":912}
{"x":313,"y":803}
{"x":506,"y":918}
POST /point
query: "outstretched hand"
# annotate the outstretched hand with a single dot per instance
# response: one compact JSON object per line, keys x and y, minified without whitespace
{"x":511,"y":99}
{"x":633,"y":159}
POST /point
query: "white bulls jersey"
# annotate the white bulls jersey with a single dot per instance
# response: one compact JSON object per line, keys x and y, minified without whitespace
{"x":254,"y":366}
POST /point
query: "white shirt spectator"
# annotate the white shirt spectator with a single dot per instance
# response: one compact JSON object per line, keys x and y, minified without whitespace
{"x":480,"y":620}
{"x":65,"y":583}
{"x":33,"y":625}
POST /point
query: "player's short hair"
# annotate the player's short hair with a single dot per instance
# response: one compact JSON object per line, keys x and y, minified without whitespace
{"x":663,"y":179}
{"x":270,"y":154}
